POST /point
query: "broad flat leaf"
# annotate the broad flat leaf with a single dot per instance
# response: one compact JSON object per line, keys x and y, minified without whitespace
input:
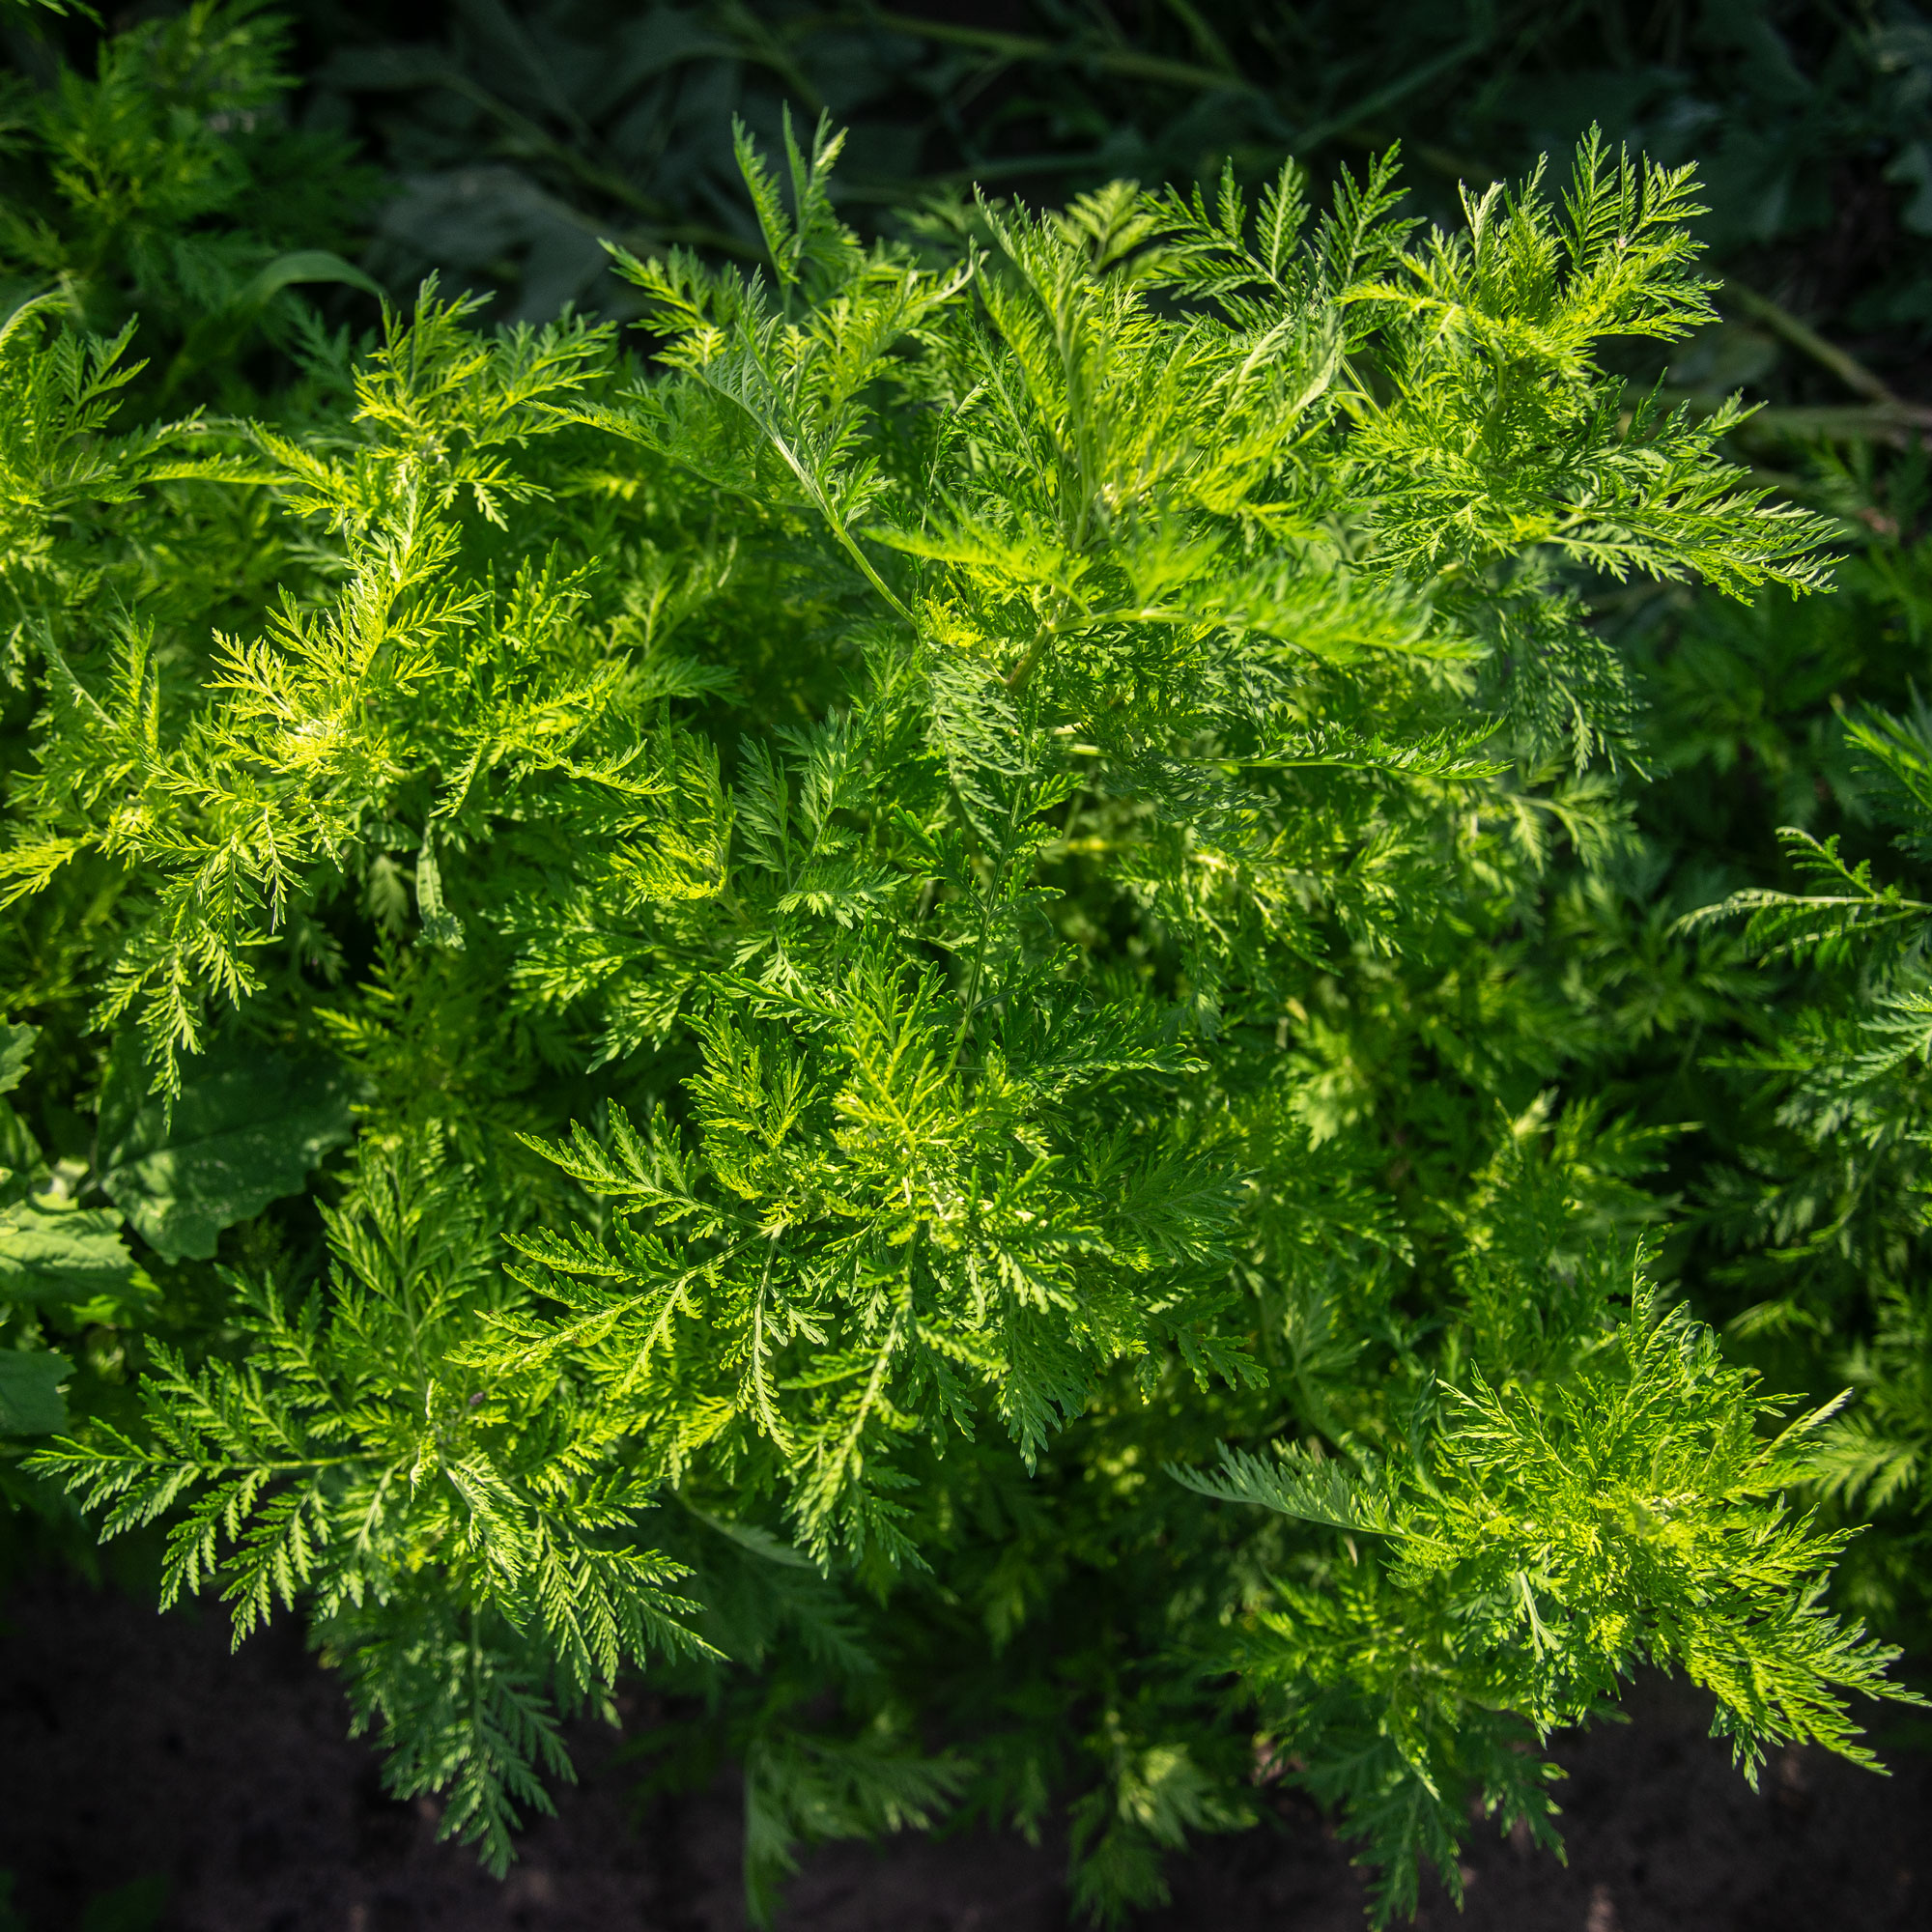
{"x":54,"y":1253}
{"x":16,"y":1042}
{"x":305,"y":265}
{"x":19,"y":1161}
{"x":247,"y":1126}
{"x":30,"y":1397}
{"x":19,"y":1155}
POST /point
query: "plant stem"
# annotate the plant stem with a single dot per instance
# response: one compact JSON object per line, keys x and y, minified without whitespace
{"x":1806,"y":340}
{"x":1027,"y":48}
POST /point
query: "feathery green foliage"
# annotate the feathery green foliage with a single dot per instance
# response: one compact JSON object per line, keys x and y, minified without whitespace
{"x":1630,"y":1515}
{"x":1831,"y":1198}
{"x":168,"y":185}
{"x":916,"y":910}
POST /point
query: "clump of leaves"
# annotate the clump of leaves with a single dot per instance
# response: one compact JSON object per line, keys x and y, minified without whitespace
{"x":1551,"y":1539}
{"x":171,"y":184}
{"x":846,"y":851}
{"x":1820,"y":1220}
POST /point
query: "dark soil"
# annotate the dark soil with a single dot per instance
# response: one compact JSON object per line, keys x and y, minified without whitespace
{"x":134,"y":1748}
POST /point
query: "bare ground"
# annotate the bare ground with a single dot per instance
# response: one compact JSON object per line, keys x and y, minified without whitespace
{"x":134,"y":1748}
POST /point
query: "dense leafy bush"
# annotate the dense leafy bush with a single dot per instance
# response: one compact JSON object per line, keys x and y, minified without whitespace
{"x":167,"y":185}
{"x":931,"y":1001}
{"x":1819,"y":1212}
